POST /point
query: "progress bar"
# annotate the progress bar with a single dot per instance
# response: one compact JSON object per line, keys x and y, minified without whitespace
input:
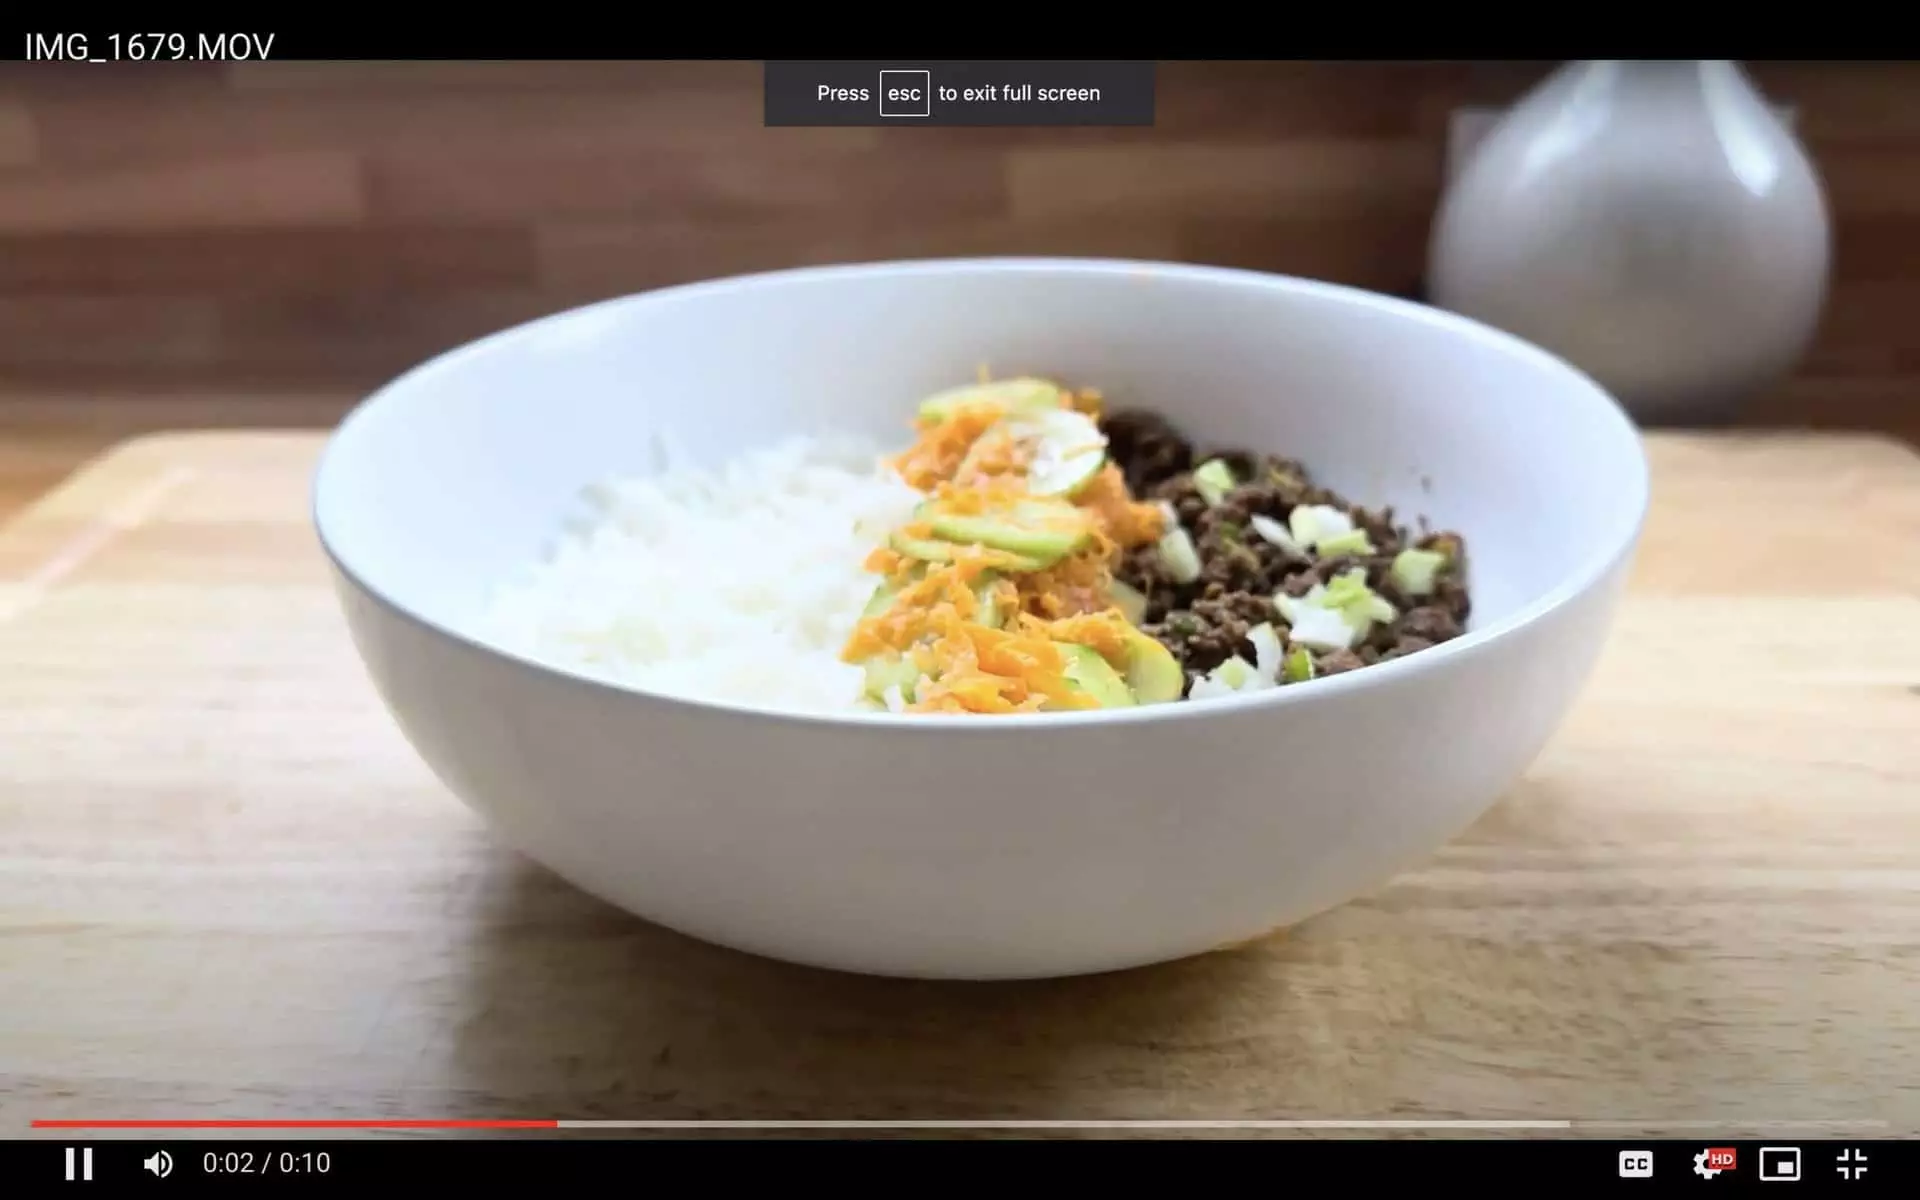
{"x":799,"y":1125}
{"x":1249,"y":1125}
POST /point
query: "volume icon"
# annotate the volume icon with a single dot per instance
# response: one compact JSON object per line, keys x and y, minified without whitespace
{"x":160,"y":1163}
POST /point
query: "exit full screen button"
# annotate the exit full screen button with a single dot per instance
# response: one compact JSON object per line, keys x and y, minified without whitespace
{"x":959,"y":93}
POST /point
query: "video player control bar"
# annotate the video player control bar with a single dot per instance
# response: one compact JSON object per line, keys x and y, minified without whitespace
{"x":959,"y":93}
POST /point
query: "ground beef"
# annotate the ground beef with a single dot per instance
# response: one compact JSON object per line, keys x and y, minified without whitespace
{"x":1405,"y":644}
{"x":1205,"y":622}
{"x":1430,"y":622}
{"x":1148,"y":449}
{"x":1339,"y":661}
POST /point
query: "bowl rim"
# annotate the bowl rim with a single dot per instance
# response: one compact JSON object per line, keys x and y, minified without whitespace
{"x":1621,"y":540}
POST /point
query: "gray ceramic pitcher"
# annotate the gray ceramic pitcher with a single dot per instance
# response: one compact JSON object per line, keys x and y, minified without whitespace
{"x":1655,"y":223}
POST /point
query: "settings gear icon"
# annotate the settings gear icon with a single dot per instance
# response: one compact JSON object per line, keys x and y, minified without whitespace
{"x":1701,"y":1168}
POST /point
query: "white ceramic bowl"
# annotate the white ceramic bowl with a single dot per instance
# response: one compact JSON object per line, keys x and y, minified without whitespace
{"x":985,"y":847}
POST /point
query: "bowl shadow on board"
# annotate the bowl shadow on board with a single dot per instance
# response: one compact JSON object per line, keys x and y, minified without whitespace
{"x":572,"y":1008}
{"x":576,"y":1009}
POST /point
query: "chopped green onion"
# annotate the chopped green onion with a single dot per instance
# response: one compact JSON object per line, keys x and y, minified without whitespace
{"x":1347,"y":601}
{"x":1310,"y":623}
{"x":1235,"y":672}
{"x":1345,"y":588}
{"x":1298,"y":667}
{"x":1275,"y":533}
{"x":1268,"y":649}
{"x":1178,"y":555}
{"x":1357,"y":602}
{"x":1213,"y":479}
{"x":1312,"y":524}
{"x":1352,"y":542}
{"x":1234,"y":675}
{"x":1413,"y":571}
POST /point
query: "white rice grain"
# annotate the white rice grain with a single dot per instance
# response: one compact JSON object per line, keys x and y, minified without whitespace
{"x":738,"y":584}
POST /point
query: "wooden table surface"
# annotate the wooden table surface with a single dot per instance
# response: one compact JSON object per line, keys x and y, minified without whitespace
{"x":229,"y":890}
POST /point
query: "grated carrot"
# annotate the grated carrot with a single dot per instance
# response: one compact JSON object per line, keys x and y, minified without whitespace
{"x":1105,"y":632}
{"x":1127,"y":521}
{"x":941,"y":448}
{"x":996,"y":454}
{"x":1078,"y":584}
{"x":968,"y":499}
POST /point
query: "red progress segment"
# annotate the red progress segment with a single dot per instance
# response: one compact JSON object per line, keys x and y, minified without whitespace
{"x":296,"y":1124}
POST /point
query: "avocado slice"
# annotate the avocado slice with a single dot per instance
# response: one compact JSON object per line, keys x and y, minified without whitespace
{"x":887,"y":670}
{"x":1065,"y":449}
{"x":1131,"y":603}
{"x":924,"y":549}
{"x":1090,"y":674}
{"x":989,"y":614}
{"x":1153,"y":672}
{"x":1043,"y":530}
{"x":1008,"y":395}
{"x":886,"y":591}
{"x":943,"y":550}
{"x":880,"y":601}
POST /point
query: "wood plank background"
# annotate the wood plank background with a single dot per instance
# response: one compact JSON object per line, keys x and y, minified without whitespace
{"x":271,"y":239}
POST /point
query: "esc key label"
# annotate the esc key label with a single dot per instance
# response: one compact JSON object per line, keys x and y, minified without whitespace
{"x":906,"y":93}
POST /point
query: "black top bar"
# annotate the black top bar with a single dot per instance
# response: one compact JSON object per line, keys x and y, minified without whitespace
{"x":721,"y":33}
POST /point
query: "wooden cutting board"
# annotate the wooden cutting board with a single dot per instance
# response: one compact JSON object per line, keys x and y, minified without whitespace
{"x":229,"y":890}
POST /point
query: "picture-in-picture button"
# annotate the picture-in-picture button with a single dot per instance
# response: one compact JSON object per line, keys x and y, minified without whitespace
{"x":1779,"y":1164}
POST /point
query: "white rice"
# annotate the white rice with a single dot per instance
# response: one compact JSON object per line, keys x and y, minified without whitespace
{"x":738,"y":585}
